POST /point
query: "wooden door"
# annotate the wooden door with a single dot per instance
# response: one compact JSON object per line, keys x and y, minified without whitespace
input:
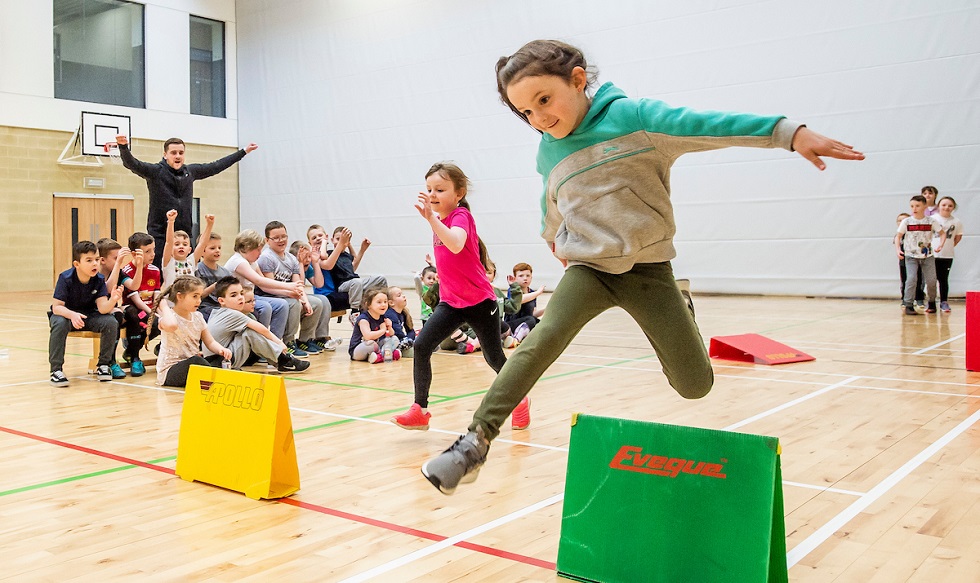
{"x":88,"y":217}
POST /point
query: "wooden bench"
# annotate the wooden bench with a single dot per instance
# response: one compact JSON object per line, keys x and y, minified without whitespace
{"x":93,"y":362}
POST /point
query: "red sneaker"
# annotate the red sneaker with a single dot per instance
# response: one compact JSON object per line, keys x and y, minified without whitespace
{"x":521,"y":417}
{"x":413,"y":419}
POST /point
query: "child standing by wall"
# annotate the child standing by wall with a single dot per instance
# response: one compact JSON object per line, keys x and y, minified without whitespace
{"x":944,"y":255}
{"x":919,"y":254}
{"x":372,"y":330}
{"x":183,"y":329}
{"x":899,"y":241}
{"x":605,"y":160}
{"x":465,"y":292}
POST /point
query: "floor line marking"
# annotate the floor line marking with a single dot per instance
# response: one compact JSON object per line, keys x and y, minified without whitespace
{"x":23,"y":383}
{"x":455,"y":540}
{"x":322,"y":509}
{"x":800,"y":551}
{"x":789,"y":404}
{"x":928,"y":348}
{"x":823,"y":488}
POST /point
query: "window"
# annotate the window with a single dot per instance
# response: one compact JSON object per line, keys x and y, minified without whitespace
{"x":207,"y":67}
{"x":98,"y":52}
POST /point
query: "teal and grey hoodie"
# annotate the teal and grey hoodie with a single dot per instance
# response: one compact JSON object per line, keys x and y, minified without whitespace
{"x":606,"y":201}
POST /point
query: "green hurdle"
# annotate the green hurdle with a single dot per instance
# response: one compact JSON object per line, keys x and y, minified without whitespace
{"x":654,"y":502}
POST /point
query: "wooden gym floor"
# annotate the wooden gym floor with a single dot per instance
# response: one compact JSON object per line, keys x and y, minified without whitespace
{"x":880,"y":436}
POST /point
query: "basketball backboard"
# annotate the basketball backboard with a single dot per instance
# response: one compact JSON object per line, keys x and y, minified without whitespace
{"x":99,"y":128}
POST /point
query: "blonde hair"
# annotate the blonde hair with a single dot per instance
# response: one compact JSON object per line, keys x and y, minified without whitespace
{"x":248,"y":240}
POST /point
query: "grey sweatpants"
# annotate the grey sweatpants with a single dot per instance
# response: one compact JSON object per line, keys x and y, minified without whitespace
{"x":647,"y":292}
{"x":912,"y":265}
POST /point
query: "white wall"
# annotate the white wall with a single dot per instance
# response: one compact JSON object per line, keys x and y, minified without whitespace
{"x":352,"y":100}
{"x":27,"y":75}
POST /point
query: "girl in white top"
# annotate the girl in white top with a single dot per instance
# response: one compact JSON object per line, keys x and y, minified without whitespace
{"x":944,"y":257}
{"x":183,"y":329}
{"x":177,"y":256}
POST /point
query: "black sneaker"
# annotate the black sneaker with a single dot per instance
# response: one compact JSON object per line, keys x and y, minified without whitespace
{"x":460,"y":464}
{"x":103,"y":373}
{"x":59,"y":379}
{"x":932,"y":308}
{"x":289,"y":363}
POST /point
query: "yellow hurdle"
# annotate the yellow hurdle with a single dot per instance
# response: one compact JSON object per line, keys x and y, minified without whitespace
{"x":236,"y":433}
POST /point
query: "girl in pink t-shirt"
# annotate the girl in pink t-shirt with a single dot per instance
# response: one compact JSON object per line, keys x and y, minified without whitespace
{"x":465,"y":293}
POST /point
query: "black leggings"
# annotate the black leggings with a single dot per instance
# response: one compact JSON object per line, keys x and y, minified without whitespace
{"x":483,"y":318}
{"x":943,"y":265}
{"x":177,"y":374}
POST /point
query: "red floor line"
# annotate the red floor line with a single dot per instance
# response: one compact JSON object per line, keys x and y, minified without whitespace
{"x":307,"y":505}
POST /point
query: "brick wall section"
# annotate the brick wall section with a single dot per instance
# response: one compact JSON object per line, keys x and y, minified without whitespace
{"x":30,"y":174}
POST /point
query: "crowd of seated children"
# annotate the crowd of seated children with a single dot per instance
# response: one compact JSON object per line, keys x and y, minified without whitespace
{"x":177,"y":257}
{"x":373,"y":337}
{"x":401,"y":320}
{"x":530,"y":314}
{"x":342,"y":262}
{"x":423,"y":281}
{"x":112,"y":258}
{"x":210,"y":271}
{"x":309,"y":264}
{"x":81,"y":301}
{"x":307,"y":320}
{"x":271,"y":310}
{"x":142,"y":289}
{"x":246,"y":338}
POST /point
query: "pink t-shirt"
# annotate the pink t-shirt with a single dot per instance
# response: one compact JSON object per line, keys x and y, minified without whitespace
{"x":462,"y":278}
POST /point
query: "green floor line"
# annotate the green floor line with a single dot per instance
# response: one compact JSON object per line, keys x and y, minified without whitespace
{"x":436,"y":399}
{"x":336,"y":384}
{"x":66,"y":480}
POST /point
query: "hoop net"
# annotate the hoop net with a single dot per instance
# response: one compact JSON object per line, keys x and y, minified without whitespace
{"x":112,"y":149}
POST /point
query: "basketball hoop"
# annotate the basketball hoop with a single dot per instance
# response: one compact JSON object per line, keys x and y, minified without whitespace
{"x":112,"y":150}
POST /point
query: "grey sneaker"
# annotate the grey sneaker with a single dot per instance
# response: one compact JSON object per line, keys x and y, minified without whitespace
{"x":332,"y":344}
{"x":59,"y":379}
{"x":103,"y":373}
{"x":460,"y":464}
{"x":944,"y":306}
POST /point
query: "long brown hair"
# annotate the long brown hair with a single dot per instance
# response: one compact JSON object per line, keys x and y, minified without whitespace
{"x":540,"y":58}
{"x":461,"y":183}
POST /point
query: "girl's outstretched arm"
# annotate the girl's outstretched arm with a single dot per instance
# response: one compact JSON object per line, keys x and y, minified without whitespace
{"x":812,"y":146}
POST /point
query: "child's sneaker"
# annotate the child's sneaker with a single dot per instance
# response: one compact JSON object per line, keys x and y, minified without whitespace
{"x":920,"y":308}
{"x":465,"y":347}
{"x":353,"y":317}
{"x":460,"y":464}
{"x":137,"y":369}
{"x":117,"y":371}
{"x":103,"y":373}
{"x":510,"y":342}
{"x":59,"y":379}
{"x":396,"y":354}
{"x":332,"y":344}
{"x":375,"y":358}
{"x":910,"y":311}
{"x":521,"y":417}
{"x":296,"y":351}
{"x":309,"y":346}
{"x":289,"y":363}
{"x":944,"y":306}
{"x":932,"y":308}
{"x":413,"y":419}
{"x":521,"y":331}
